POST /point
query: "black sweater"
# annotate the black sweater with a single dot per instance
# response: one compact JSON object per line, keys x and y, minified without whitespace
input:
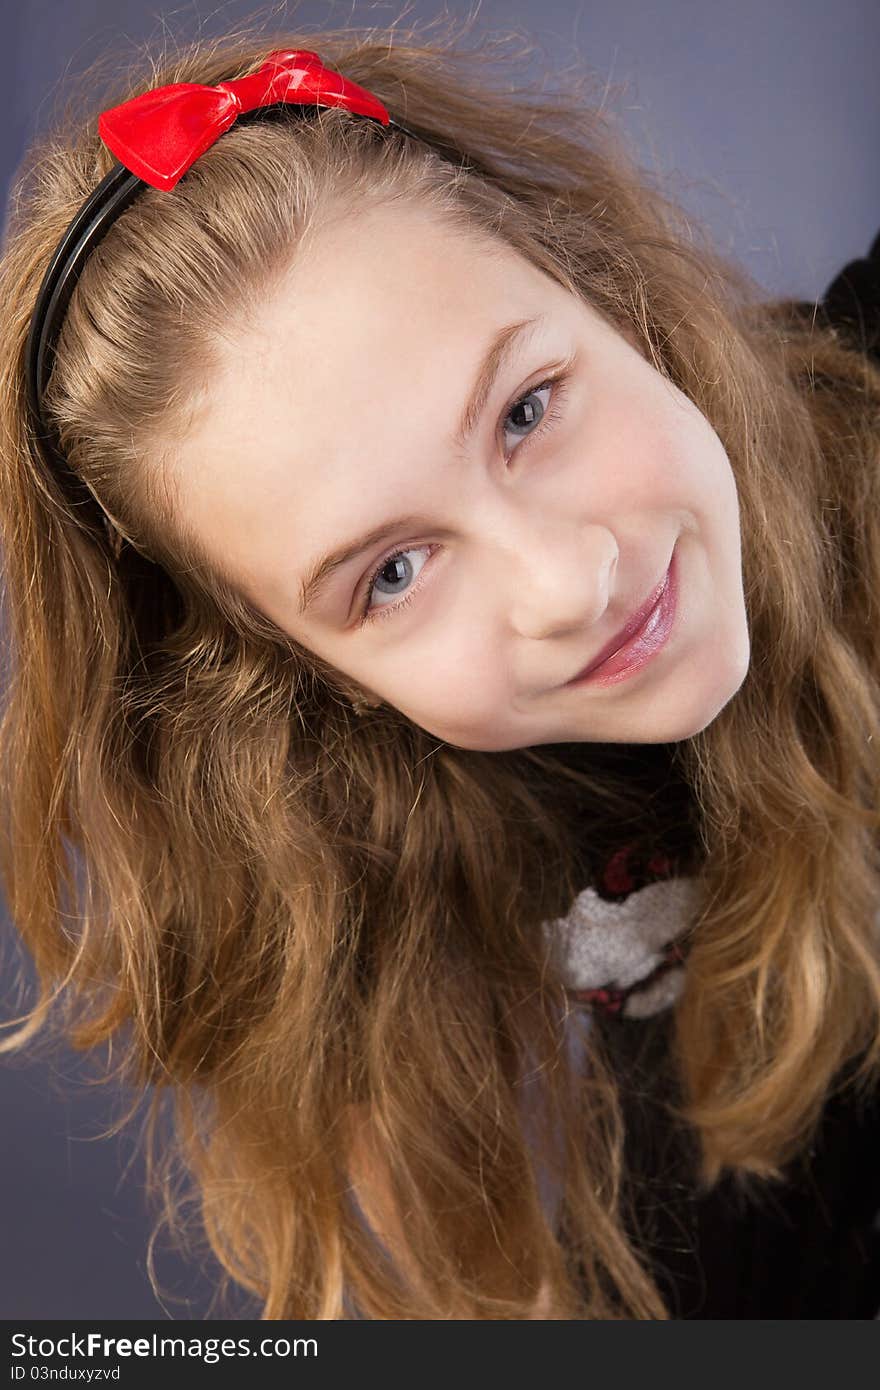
{"x":810,"y":1247}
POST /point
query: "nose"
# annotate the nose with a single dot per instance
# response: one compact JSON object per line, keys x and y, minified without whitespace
{"x":561,"y":579}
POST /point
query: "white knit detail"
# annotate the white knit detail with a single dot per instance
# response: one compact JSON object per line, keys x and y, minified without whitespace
{"x":662,"y":993}
{"x":607,"y":944}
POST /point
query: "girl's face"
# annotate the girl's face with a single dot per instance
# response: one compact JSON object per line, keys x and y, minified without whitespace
{"x":451,"y":479}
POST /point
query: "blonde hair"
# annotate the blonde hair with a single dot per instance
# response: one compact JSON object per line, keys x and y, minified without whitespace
{"x":291,"y":916}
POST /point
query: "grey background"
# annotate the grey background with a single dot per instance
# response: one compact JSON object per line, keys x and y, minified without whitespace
{"x":764,"y":119}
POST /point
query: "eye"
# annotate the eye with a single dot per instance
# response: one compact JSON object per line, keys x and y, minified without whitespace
{"x":530,"y":410}
{"x":539,"y":417}
{"x":394,"y":570}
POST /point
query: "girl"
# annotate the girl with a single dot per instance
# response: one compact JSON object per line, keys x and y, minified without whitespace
{"x":441,"y":745}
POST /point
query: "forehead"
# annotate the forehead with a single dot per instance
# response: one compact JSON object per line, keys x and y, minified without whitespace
{"x":364,"y":351}
{"x":395,"y":282}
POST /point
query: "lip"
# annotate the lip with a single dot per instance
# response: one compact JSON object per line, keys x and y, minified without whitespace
{"x":642,"y":636}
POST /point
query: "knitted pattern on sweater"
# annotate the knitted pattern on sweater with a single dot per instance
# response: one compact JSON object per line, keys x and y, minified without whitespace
{"x":621,"y":946}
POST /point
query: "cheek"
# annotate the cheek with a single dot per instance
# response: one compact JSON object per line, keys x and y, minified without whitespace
{"x":454,"y":675}
{"x":684,"y":464}
{"x":460,"y":659}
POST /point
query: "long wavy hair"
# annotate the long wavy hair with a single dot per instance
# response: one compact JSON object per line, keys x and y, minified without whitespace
{"x":315,"y":935}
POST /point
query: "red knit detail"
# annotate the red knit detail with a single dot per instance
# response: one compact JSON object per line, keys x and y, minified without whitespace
{"x":608,"y":1000}
{"x":660,"y":864}
{"x":616,"y":876}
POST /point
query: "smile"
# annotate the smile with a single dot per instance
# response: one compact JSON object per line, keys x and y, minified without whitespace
{"x":643,"y":644}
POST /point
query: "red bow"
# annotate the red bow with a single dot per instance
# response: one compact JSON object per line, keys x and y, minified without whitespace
{"x":160,"y":134}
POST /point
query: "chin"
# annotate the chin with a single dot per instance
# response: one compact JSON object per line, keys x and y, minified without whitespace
{"x":679,"y":715}
{"x":711,"y":707}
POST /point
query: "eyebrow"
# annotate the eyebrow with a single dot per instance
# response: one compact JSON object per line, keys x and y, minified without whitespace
{"x":500,"y":349}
